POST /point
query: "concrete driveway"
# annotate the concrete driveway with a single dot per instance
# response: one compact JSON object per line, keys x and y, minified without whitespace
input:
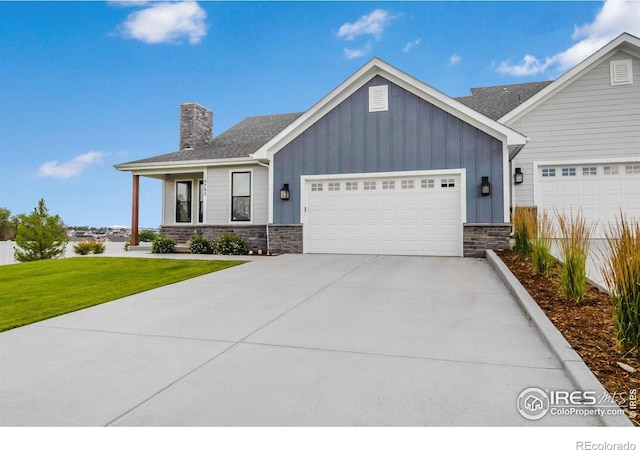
{"x":289,"y":340}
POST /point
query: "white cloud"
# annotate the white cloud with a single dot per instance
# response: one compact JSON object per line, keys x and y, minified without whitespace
{"x":410,"y":45}
{"x":357,"y":52}
{"x":615,"y":17}
{"x":373,"y":24}
{"x":167,"y":23}
{"x":72,"y":168}
{"x":454,"y":59}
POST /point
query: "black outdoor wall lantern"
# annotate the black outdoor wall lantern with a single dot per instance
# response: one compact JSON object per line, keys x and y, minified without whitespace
{"x":518,"y":177}
{"x":485,"y":186}
{"x":284,"y":192}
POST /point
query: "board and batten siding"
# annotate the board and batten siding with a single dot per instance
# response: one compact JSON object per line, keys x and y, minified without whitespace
{"x":218,"y":200}
{"x":412,"y":135}
{"x":587,"y":120}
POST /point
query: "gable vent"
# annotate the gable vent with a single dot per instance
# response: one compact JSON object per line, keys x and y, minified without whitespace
{"x":378,"y":98}
{"x":621,"y":72}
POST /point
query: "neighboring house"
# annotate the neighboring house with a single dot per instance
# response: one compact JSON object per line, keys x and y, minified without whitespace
{"x":384,"y":164}
{"x":584,"y":136}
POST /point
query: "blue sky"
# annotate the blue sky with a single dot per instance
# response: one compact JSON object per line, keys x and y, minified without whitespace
{"x":86,"y":85}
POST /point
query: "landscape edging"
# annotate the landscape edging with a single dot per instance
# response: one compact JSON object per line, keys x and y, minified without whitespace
{"x":571,"y":362}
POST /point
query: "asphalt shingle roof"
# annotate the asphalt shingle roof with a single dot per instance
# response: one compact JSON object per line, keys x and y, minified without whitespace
{"x":496,"y":101}
{"x":239,"y":141}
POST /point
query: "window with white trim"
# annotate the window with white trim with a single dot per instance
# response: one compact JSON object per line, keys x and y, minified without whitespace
{"x":632,"y":169}
{"x":429,"y":183}
{"x":568,"y":171}
{"x":389,"y":184}
{"x":447,"y":182}
{"x":201,"y":193}
{"x":317,"y":187}
{"x":183,"y":201}
{"x":550,"y":172}
{"x":351,"y":185}
{"x":240,"y":196}
{"x":610,"y":170}
{"x":407,"y":184}
{"x":334,"y":186}
{"x":588,"y":171}
{"x":369,"y":185}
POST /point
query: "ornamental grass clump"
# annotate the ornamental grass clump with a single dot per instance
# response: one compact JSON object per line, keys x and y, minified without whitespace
{"x":524,"y":227}
{"x":84,"y":248}
{"x":574,"y":251}
{"x":621,"y":272}
{"x":200,"y":245}
{"x":543,"y":260}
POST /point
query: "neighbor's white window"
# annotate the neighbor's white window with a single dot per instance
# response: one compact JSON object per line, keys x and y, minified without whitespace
{"x":549,"y":172}
{"x":241,"y":196}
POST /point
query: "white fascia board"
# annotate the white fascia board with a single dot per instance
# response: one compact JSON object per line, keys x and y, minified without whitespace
{"x":405,"y":81}
{"x":625,"y":42}
{"x":154,"y":168}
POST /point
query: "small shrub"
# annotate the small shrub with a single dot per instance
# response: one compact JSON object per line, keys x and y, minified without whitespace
{"x":621,"y":272}
{"x":230,"y":244}
{"x":97,"y":247}
{"x":574,"y":250}
{"x":82,"y":248}
{"x":147,"y":236}
{"x":541,"y":257}
{"x":163,"y":245}
{"x":200,"y":245}
{"x":126,"y":245}
{"x":524,"y":226}
{"x":86,"y":247}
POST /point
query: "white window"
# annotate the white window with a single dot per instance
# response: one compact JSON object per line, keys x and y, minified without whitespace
{"x":634,"y":169}
{"x":588,"y":171}
{"x":549,"y":172}
{"x":241,"y":196}
{"x":334,"y":186}
{"x":610,"y":170}
{"x":183,"y":201}
{"x":351,"y":185}
{"x":429,"y":183}
{"x":447,"y":182}
{"x":378,"y":98}
{"x":407,"y":184}
{"x":317,"y":187}
{"x":389,"y":184}
{"x":369,"y":185}
{"x":621,"y":72}
{"x":568,"y":171}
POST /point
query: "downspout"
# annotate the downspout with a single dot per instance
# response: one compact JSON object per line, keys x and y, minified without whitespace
{"x":267,"y":226}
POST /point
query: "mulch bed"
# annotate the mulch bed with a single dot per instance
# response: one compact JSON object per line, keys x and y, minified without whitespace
{"x":587,"y":326}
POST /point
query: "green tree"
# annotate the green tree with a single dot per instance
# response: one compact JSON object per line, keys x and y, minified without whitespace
{"x":8,"y":225}
{"x":40,"y":235}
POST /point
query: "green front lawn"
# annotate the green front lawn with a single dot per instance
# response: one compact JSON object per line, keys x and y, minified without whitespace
{"x":34,"y":291}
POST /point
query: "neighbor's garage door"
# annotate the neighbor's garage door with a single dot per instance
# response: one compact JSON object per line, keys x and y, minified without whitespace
{"x":401,"y":215}
{"x":599,"y":190}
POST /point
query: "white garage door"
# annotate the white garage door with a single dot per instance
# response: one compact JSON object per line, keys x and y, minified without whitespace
{"x":395,"y":215}
{"x":600,"y":190}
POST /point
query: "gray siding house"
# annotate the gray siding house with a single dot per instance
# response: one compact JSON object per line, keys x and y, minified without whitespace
{"x":584,"y":135}
{"x":384,"y":164}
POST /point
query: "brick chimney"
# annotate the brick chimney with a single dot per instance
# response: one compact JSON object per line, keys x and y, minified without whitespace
{"x":196,"y":126}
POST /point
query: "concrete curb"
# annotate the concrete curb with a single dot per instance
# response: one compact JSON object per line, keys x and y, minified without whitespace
{"x":575,"y":367}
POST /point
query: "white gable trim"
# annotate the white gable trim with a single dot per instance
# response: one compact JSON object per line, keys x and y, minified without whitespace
{"x":405,"y":81}
{"x":625,"y":42}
